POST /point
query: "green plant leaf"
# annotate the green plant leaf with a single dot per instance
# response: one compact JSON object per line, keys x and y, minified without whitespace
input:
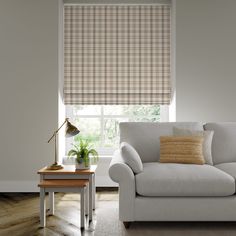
{"x":72,"y":152}
{"x":82,"y":150}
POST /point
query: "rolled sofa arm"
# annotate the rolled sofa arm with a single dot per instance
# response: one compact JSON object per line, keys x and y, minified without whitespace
{"x":122,"y":174}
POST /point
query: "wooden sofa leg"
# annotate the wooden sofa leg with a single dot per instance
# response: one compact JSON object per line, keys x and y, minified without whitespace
{"x":127,"y":224}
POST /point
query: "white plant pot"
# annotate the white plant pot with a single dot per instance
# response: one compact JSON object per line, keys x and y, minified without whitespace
{"x":81,"y":166}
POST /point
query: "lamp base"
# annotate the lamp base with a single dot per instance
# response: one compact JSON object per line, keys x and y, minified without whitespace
{"x":55,"y":166}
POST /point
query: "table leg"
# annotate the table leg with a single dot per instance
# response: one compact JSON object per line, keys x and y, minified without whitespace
{"x":82,"y":208}
{"x":94,"y":191}
{"x":42,"y":207}
{"x":90,"y":197}
{"x":51,"y":203}
{"x":86,"y":201}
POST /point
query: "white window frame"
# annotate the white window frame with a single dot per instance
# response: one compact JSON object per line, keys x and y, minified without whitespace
{"x":106,"y":151}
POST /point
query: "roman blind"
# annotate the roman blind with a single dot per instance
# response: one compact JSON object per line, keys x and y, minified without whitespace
{"x":117,"y":54}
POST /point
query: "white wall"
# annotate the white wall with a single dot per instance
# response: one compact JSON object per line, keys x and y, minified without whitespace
{"x":205,"y":60}
{"x":102,"y":175}
{"x":205,"y":77}
{"x":28,"y":89}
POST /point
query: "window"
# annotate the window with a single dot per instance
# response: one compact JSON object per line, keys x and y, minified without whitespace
{"x":100,"y":124}
{"x":117,"y":67}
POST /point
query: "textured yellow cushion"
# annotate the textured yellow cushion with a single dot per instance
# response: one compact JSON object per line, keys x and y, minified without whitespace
{"x":181,"y":149}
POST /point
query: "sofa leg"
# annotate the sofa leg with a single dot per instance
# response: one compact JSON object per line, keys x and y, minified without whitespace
{"x":126,"y":224}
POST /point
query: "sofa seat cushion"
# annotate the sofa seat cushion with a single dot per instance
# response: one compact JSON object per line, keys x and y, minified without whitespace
{"x":229,"y":168}
{"x":169,"y":179}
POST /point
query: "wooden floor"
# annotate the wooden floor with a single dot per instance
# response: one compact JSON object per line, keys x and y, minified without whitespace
{"x":19,"y":216}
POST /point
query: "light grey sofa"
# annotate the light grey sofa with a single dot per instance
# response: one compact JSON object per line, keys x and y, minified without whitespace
{"x":176,"y":192}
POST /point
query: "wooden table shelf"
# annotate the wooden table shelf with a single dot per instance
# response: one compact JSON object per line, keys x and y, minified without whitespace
{"x":70,"y":180}
{"x":62,"y":183}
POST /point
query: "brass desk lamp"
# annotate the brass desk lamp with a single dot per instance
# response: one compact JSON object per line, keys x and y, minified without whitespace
{"x":71,"y":131}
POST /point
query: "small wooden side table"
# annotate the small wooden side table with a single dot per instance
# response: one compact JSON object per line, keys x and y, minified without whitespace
{"x":61,"y":185}
{"x":69,"y":173}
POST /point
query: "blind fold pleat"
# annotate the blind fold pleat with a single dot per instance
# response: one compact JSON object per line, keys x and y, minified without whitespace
{"x":117,"y":54}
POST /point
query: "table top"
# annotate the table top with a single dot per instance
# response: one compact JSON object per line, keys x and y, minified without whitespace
{"x":68,"y":169}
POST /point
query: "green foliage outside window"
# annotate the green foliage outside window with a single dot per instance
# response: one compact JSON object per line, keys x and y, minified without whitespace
{"x":100,"y":124}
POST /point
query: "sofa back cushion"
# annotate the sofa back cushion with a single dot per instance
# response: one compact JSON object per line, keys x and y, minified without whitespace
{"x":145,"y":136}
{"x":206,"y":146}
{"x":224,"y":141}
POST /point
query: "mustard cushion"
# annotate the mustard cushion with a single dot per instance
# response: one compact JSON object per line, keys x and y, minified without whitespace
{"x":181,"y":149}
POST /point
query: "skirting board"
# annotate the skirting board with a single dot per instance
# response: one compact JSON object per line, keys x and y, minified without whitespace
{"x":104,"y":181}
{"x":32,"y":186}
{"x":19,"y":186}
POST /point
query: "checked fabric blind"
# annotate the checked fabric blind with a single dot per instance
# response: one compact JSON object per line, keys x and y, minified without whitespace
{"x":117,"y":54}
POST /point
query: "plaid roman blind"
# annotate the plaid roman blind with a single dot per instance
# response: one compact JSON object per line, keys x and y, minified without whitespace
{"x":117,"y":54}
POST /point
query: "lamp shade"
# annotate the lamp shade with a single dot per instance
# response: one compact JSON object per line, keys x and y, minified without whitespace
{"x":71,"y":130}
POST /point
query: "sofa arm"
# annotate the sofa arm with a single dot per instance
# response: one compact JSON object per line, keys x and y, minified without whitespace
{"x":122,"y":174}
{"x":119,"y":171}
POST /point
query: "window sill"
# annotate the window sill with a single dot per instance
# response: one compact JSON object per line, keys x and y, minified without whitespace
{"x":71,"y":160}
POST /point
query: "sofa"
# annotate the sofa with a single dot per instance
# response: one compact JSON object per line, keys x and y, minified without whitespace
{"x":170,"y":191}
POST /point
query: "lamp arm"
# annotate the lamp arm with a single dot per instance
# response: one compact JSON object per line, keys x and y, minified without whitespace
{"x":55,"y":132}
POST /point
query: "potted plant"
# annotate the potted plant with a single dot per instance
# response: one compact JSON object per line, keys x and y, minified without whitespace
{"x":85,"y":155}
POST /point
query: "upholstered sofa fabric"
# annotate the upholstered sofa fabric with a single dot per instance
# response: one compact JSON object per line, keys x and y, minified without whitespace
{"x":144,"y":136}
{"x":176,"y":192}
{"x":131,"y":157}
{"x":167,"y":179}
{"x":229,"y":168}
{"x":121,"y":173}
{"x":224,"y":141}
{"x":185,"y":209}
{"x":181,"y":149}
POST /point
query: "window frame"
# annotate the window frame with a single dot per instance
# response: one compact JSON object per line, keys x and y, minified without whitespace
{"x":108,"y":151}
